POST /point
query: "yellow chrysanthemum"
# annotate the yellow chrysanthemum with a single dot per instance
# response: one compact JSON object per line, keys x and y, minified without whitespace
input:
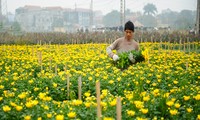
{"x":59,"y":117}
{"x":130,"y":112}
{"x":28,"y":117}
{"x":71,"y":114}
{"x":144,"y":110}
{"x":6,"y":108}
{"x":173,"y":112}
{"x":49,"y":115}
{"x":19,"y":108}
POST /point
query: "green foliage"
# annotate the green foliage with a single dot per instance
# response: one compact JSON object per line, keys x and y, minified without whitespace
{"x":124,"y":61}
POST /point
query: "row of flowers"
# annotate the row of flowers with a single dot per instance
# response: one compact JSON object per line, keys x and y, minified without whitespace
{"x":33,"y":83}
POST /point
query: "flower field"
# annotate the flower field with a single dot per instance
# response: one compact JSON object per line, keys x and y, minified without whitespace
{"x":41,"y":82}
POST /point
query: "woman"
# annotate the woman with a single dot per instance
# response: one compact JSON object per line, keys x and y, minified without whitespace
{"x":124,"y":44}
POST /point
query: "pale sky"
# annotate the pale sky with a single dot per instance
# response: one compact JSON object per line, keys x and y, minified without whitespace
{"x":105,"y":6}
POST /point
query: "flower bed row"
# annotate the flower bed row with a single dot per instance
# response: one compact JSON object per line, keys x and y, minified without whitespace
{"x":33,"y":83}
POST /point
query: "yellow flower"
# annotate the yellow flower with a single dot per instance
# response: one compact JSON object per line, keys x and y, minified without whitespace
{"x":42,"y":95}
{"x":198,"y":117}
{"x":145,"y":53}
{"x":146,"y":98}
{"x":177,"y":105}
{"x":77,"y":102}
{"x":113,"y":103}
{"x":175,"y":82}
{"x":148,"y":81}
{"x":130,"y":113}
{"x":170,"y":103}
{"x":22,"y":95}
{"x":30,"y":81}
{"x":29,"y":104}
{"x":71,"y":114}
{"x":90,"y":78}
{"x":1,"y":98}
{"x":156,"y":92}
{"x":144,"y":111}
{"x":139,"y":104}
{"x":173,"y":112}
{"x":104,"y":92}
{"x":46,"y":107}
{"x":55,"y":85}
{"x":166,"y":95}
{"x":6,"y":108}
{"x":119,"y":79}
{"x":13,"y":104}
{"x":18,"y":108}
{"x":197,"y":97}
{"x":59,"y":117}
{"x":87,"y":94}
{"x":103,"y":104}
{"x":111,"y":82}
{"x":1,"y":87}
{"x":28,"y":117}
{"x":186,"y":98}
{"x":87,"y":104}
{"x":108,"y":118}
{"x":36,"y":89}
{"x":189,"y":110}
{"x":49,"y":115}
{"x":39,"y":118}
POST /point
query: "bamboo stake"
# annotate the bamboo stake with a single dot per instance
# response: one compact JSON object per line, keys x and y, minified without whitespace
{"x":186,"y":64}
{"x":40,"y":60}
{"x":184,"y":47}
{"x":79,"y":87}
{"x":98,"y":100}
{"x":50,"y":60}
{"x":119,"y":108}
{"x":56,"y":71}
{"x":65,"y":68}
{"x":189,"y":47}
{"x":180,"y":44}
{"x":32,"y":52}
{"x":68,"y":86}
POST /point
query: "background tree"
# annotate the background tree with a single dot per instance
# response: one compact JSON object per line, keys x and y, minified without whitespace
{"x":150,"y":9}
{"x":112,"y":19}
{"x":16,"y":28}
{"x":168,"y":17}
{"x":1,"y":26}
{"x":185,"y":20}
{"x":148,"y":20}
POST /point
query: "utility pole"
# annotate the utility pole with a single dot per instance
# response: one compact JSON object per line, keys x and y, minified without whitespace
{"x":1,"y":15}
{"x":198,"y":18}
{"x":91,"y":14}
{"x":122,"y":12}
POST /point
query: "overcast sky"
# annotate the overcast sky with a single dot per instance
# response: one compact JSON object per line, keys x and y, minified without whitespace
{"x":105,"y":6}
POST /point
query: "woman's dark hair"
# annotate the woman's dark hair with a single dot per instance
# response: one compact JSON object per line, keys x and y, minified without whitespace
{"x":129,"y":26}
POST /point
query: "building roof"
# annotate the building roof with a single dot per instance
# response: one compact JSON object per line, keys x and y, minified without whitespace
{"x":32,"y":7}
{"x":138,"y":24}
{"x":54,"y":8}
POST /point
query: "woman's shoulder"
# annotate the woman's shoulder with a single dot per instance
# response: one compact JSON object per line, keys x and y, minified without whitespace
{"x":119,"y":40}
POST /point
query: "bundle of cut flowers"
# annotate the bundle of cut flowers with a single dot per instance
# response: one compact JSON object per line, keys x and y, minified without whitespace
{"x":123,"y":62}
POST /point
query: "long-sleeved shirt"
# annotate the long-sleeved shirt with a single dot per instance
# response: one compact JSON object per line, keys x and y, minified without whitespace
{"x":122,"y":45}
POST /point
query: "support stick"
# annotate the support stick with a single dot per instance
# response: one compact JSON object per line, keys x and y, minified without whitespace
{"x":98,"y":100}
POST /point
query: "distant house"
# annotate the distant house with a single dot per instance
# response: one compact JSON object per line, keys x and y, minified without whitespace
{"x":53,"y":19}
{"x":138,"y":24}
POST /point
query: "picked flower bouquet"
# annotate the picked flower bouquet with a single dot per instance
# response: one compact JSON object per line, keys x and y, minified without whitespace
{"x":124,"y":58}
